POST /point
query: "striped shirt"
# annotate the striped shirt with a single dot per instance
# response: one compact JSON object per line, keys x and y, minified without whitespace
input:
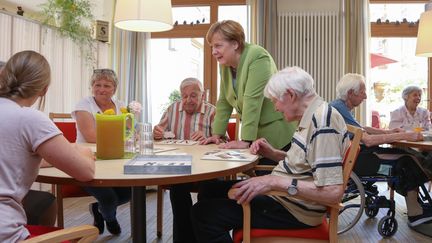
{"x":183,"y":125}
{"x":316,"y":154}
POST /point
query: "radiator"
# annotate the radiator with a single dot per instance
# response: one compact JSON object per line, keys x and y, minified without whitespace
{"x":312,"y":41}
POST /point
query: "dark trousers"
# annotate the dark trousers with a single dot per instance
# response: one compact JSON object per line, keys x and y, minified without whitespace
{"x":181,"y":203}
{"x":215,"y":215}
{"x":109,"y":198}
{"x":409,"y":175}
{"x":266,"y":161}
{"x":37,"y":206}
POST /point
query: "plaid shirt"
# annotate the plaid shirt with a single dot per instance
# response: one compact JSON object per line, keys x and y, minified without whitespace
{"x":176,"y":120}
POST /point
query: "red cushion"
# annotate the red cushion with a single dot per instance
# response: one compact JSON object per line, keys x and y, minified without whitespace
{"x":231,"y":129}
{"x":68,"y":129}
{"x":36,"y":230}
{"x":73,"y":191}
{"x":320,"y":232}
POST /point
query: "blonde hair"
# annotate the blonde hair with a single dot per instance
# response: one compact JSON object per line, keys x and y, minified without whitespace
{"x":26,"y":74}
{"x":230,"y":31}
{"x":104,"y":74}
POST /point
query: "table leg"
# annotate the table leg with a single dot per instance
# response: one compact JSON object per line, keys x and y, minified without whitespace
{"x":138,"y":214}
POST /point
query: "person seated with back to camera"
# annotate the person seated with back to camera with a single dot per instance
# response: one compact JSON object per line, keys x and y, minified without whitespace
{"x":40,"y":206}
{"x":189,"y":118}
{"x":103,"y":85}
{"x":351,"y":91}
{"x":409,"y":116}
{"x":28,"y":139}
{"x":316,"y":172}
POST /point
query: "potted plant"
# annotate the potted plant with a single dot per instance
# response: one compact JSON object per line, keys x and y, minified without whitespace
{"x":74,"y":19}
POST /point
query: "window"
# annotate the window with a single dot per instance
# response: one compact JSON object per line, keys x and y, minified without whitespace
{"x":173,"y":60}
{"x":167,"y":70}
{"x":396,"y":41}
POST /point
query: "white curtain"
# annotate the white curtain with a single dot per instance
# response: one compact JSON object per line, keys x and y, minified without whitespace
{"x":70,"y":73}
{"x":131,"y":51}
{"x":357,"y":35}
{"x":265,"y":24}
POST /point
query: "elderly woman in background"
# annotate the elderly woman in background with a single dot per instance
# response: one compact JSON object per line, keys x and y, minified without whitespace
{"x":410,"y":116}
{"x":245,"y":69}
{"x":103,"y":84}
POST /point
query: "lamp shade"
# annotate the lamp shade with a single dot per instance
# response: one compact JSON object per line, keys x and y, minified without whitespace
{"x":424,"y":35}
{"x":143,"y":15}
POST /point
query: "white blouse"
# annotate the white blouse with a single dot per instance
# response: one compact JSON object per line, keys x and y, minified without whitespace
{"x":401,"y":118}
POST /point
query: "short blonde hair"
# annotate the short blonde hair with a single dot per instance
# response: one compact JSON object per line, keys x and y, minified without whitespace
{"x":104,"y":74}
{"x":230,"y":31}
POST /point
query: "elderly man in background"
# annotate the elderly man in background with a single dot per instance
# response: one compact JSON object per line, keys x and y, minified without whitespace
{"x":190,"y":118}
{"x":351,"y":92}
{"x":410,"y":116}
{"x":315,"y":172}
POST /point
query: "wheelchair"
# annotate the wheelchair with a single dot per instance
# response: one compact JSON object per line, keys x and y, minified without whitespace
{"x":362,"y":196}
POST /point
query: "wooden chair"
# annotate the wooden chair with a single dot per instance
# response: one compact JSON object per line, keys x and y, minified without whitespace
{"x":67,"y":126}
{"x":326,"y":231}
{"x":80,"y":234}
{"x":233,"y":132}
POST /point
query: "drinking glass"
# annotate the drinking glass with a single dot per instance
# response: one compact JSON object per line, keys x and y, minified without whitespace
{"x":145,"y":139}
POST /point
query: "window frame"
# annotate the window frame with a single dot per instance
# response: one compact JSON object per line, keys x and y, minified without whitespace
{"x":200,"y":31}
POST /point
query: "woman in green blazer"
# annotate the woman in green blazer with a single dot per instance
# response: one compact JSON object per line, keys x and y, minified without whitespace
{"x":245,"y":70}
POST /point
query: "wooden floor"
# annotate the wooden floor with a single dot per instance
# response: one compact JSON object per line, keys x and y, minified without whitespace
{"x":76,"y":213}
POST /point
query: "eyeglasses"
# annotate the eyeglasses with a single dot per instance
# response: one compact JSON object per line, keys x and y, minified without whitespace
{"x":104,"y":70}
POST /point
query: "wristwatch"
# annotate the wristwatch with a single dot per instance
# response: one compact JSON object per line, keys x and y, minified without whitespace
{"x":292,"y":189}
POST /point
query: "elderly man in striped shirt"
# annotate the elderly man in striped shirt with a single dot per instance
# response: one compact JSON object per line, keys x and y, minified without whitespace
{"x":311,"y":168}
{"x":190,"y":118}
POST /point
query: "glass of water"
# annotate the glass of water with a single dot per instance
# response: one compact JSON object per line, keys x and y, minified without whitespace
{"x":145,"y":139}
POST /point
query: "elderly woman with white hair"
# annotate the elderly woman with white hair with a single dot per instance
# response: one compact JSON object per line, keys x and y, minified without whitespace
{"x":410,"y":116}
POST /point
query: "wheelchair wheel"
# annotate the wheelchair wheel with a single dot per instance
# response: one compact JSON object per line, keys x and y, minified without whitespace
{"x":371,"y":212}
{"x":353,"y":202}
{"x":387,"y":226}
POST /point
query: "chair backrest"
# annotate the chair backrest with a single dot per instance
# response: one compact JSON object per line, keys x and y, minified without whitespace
{"x":66,"y":125}
{"x":234,"y":127}
{"x":351,"y":153}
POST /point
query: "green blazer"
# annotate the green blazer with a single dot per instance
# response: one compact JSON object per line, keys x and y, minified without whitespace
{"x":257,"y":113}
